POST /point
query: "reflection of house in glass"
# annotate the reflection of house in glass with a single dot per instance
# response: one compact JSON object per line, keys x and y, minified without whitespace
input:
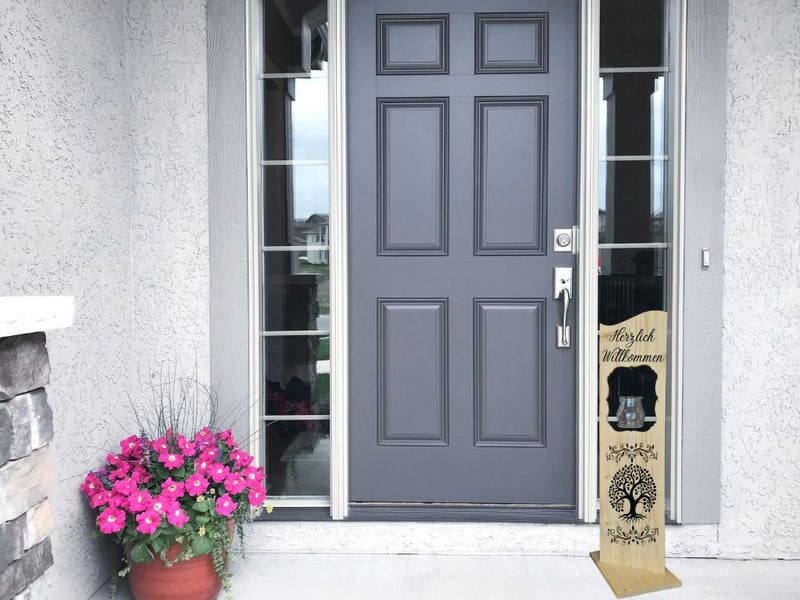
{"x":312,"y":231}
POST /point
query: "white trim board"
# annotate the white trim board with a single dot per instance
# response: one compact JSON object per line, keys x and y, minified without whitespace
{"x":29,"y":314}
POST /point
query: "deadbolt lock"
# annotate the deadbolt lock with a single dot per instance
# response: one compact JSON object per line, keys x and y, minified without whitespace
{"x":564,"y":240}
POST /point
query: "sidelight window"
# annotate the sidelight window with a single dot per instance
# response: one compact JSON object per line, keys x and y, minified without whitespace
{"x":294,"y":283}
{"x":637,"y":216}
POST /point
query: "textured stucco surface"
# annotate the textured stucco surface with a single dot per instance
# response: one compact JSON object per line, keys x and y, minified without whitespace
{"x":103,"y":177}
{"x":166,"y":63}
{"x":65,"y":195}
{"x":761,"y":341}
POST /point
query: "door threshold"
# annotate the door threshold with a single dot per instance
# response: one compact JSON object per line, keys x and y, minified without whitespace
{"x":468,"y":512}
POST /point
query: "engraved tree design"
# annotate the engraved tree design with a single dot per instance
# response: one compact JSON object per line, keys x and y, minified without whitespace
{"x":631,"y":487}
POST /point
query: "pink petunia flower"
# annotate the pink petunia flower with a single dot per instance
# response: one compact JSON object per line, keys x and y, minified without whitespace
{"x":209,"y":454}
{"x":148,"y":521}
{"x":241,"y":458}
{"x":160,"y":445}
{"x":170,"y":460}
{"x":218,"y":472}
{"x":225,"y":505}
{"x":186,"y":447}
{"x":111,"y":520}
{"x":161,"y":503}
{"x":173,"y":489}
{"x":225,"y":435}
{"x":203,"y":435}
{"x":234,"y":483}
{"x":91,"y":485}
{"x":202,"y":465}
{"x":122,"y":470}
{"x":196,"y":484}
{"x":100,"y":498}
{"x":253,"y":476}
{"x":117,"y":501}
{"x":139,"y":501}
{"x":126,"y":487}
{"x":131,"y":447}
{"x":140,"y":475}
{"x":256,"y":496}
{"x":176,"y":516}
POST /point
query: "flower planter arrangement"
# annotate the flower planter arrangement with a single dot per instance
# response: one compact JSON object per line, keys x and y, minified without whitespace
{"x":171,"y":503}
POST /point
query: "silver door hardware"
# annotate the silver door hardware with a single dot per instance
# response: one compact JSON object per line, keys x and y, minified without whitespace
{"x":562,"y":288}
{"x":705,"y":261}
{"x":565,"y":240}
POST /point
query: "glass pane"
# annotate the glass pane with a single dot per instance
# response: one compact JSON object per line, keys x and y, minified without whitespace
{"x":630,"y":282}
{"x":295,"y":35}
{"x":298,"y":458}
{"x":632,"y":114}
{"x":296,"y":118}
{"x":296,"y":205}
{"x":631,"y":33}
{"x":631,"y":201}
{"x":297,"y":375}
{"x":296,"y":291}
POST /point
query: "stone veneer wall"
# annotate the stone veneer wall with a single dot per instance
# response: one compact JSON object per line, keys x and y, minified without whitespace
{"x":26,"y":429}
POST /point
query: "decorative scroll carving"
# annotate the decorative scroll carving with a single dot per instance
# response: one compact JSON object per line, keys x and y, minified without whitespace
{"x":633,"y":535}
{"x":632,"y":452}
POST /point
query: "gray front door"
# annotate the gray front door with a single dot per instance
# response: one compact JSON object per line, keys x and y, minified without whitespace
{"x":462,"y":133}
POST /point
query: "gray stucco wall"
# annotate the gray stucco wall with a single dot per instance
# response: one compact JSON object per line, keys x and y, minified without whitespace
{"x":103,"y":195}
{"x":761,"y":314}
{"x":166,"y":65}
{"x":65,"y":196}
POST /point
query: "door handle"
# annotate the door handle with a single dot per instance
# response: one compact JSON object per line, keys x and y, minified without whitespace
{"x":562,"y":289}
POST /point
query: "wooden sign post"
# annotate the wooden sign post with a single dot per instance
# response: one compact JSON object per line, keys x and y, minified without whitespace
{"x":632,"y":387}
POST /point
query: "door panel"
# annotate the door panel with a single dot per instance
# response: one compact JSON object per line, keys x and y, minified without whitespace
{"x":412,"y":176}
{"x":462,"y":159}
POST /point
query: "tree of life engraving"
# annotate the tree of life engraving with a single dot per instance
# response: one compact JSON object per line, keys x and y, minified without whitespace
{"x":632,"y":487}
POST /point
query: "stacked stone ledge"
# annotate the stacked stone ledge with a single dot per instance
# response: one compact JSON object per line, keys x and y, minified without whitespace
{"x":26,"y":429}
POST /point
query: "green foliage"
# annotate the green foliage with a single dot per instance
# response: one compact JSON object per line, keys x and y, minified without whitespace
{"x":141,"y":553}
{"x":202,"y":545}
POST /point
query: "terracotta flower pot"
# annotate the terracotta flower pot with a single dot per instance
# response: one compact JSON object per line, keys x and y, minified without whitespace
{"x":192,"y":579}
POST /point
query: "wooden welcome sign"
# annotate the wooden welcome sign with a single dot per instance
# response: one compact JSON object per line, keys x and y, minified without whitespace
{"x":633,"y":394}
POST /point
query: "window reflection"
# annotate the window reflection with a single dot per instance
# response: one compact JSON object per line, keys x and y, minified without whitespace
{"x":297,"y":123}
{"x":631,"y":200}
{"x":296,"y":205}
{"x":630,"y":281}
{"x":297,"y":377}
{"x":299,"y":455}
{"x":296,"y":291}
{"x":295,"y":285}
{"x":632,"y":114}
{"x":631,"y":33}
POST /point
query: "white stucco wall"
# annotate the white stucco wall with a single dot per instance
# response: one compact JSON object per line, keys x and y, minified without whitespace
{"x":103,"y":195}
{"x":761,"y":339}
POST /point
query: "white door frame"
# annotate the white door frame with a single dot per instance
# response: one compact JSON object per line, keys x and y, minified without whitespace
{"x":587,"y":200}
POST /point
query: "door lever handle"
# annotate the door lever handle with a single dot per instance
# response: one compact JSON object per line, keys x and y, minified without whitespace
{"x":562,"y":290}
{"x":563,"y":329}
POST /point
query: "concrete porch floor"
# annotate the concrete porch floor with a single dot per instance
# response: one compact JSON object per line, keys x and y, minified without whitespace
{"x":448,"y":577}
